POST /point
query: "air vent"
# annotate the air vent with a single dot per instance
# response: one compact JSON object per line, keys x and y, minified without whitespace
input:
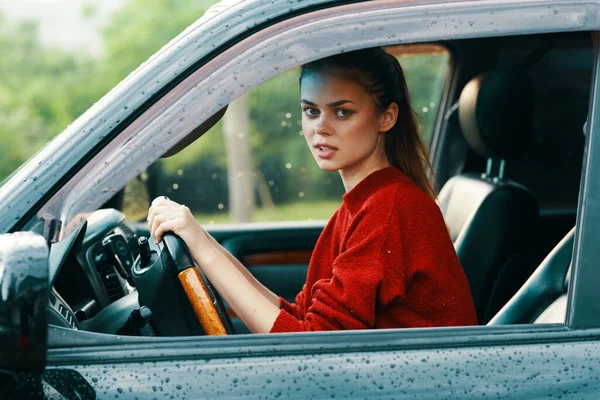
{"x":109,"y":277}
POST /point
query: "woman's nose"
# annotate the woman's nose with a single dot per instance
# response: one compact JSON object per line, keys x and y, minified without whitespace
{"x":322,"y":127}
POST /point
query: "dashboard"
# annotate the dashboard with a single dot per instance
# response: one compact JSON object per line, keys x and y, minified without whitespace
{"x":88,"y":273}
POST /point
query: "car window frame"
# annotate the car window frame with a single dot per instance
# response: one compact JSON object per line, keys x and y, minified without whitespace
{"x":464,"y":336}
{"x":583,"y":307}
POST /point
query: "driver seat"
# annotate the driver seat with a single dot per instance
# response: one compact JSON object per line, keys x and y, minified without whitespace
{"x":543,"y":298}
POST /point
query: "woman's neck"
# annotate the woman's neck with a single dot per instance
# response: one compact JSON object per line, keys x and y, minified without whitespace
{"x":351,"y":177}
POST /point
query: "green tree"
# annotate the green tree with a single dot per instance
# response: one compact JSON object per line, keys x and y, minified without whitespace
{"x":40,"y":92}
{"x":140,"y":28}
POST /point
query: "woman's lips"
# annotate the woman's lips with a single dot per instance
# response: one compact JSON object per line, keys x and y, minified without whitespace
{"x":325,"y":152}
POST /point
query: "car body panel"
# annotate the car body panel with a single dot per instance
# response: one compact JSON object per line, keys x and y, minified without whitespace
{"x":540,"y":363}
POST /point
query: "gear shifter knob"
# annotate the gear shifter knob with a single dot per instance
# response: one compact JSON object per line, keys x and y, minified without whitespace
{"x":144,"y":251}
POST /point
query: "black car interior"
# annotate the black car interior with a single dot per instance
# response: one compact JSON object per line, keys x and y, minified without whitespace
{"x":509,"y":157}
{"x":543,"y":298}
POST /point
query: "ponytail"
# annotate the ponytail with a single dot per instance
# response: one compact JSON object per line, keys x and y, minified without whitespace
{"x":403,"y":144}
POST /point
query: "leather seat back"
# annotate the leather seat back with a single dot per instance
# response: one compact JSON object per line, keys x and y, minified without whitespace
{"x":492,"y":220}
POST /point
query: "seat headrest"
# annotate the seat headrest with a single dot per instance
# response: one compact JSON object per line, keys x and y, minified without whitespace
{"x":496,"y":113}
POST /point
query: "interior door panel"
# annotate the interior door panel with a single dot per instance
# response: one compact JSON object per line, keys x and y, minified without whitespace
{"x":278,"y":258}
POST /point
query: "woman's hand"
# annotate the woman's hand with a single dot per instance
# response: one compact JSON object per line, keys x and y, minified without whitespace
{"x":166,"y":215}
{"x":254,"y":304}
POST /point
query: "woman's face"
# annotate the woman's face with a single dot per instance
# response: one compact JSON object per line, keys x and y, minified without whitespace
{"x":341,"y":125}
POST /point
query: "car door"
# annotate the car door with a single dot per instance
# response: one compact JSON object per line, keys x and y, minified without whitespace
{"x":531,"y":361}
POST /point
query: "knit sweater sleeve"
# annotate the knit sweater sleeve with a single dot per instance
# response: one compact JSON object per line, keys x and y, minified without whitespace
{"x":296,"y":309}
{"x":347,"y":299}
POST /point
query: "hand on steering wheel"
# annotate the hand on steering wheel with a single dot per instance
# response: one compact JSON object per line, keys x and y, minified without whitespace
{"x":175,"y":225}
{"x":208,"y":307}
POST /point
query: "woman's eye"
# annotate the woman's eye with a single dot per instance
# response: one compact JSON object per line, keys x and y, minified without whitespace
{"x":342,"y":112}
{"x":311,"y":112}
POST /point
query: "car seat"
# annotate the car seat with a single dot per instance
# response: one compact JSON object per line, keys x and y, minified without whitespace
{"x":493,"y":220}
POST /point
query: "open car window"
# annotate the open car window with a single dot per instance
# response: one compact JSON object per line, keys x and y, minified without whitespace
{"x":259,"y":142}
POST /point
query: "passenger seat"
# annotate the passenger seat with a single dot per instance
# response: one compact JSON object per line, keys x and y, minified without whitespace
{"x":493,"y":220}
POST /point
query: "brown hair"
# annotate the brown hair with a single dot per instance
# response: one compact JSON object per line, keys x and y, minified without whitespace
{"x":381,"y":75}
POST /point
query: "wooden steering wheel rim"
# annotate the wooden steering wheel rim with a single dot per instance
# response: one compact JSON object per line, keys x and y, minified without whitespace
{"x":204,"y":302}
{"x":201,"y":301}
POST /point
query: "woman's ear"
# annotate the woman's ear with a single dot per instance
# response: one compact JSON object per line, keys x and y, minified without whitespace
{"x":388,"y":118}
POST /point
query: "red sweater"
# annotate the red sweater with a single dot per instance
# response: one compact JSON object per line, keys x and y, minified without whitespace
{"x":384,"y":260}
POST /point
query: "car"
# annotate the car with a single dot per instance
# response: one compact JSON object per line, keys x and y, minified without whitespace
{"x":513,"y":126}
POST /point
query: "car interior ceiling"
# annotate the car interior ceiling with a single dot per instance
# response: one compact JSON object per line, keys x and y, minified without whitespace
{"x":560,"y":69}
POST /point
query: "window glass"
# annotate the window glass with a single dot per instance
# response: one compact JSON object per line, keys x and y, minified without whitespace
{"x":254,"y":165}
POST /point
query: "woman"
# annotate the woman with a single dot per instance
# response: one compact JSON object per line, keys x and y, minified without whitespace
{"x":385,"y":259}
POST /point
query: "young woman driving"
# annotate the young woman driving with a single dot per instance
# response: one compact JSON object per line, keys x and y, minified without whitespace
{"x":385,"y":259}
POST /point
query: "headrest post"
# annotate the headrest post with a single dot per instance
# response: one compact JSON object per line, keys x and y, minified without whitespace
{"x":488,"y":168}
{"x":501,"y":169}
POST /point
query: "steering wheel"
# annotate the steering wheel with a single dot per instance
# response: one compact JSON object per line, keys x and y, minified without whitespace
{"x":166,"y":278}
{"x":207,"y":306}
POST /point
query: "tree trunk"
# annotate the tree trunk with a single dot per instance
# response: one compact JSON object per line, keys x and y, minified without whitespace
{"x":239,"y":161}
{"x":264,"y":194}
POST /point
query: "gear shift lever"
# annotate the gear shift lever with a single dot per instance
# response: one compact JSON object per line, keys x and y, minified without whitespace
{"x":144,"y":251}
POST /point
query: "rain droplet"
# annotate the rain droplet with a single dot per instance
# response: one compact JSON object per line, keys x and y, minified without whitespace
{"x":288,"y":165}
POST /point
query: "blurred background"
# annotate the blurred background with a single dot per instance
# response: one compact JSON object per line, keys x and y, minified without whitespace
{"x":58,"y":57}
